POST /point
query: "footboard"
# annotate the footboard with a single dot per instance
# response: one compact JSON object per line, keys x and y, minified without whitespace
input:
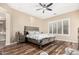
{"x":47,"y":40}
{"x":42,"y":41}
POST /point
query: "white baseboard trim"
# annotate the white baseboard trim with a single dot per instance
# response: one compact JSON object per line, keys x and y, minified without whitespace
{"x":13,"y":43}
{"x":9,"y":44}
{"x":68,"y":41}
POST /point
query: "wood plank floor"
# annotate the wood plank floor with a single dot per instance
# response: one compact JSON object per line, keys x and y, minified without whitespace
{"x":54,"y":48}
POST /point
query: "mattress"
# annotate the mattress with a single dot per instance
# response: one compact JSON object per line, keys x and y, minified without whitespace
{"x":39,"y":36}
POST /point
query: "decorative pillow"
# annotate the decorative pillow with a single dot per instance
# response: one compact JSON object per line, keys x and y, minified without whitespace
{"x":26,"y":33}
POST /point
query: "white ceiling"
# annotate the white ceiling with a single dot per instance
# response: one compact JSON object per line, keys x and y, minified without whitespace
{"x":58,"y":8}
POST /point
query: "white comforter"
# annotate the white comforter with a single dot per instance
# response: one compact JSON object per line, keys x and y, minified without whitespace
{"x":39,"y":36}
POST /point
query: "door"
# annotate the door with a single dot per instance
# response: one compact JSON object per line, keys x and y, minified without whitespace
{"x":78,"y":38}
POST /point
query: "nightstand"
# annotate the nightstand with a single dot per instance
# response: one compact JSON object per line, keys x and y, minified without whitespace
{"x":20,"y":37}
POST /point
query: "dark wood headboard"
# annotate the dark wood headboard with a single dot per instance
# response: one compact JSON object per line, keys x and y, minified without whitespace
{"x":30,"y":28}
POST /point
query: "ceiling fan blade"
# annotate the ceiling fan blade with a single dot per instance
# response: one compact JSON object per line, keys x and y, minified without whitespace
{"x":41,"y":4}
{"x":49,"y":5}
{"x":49,"y":9}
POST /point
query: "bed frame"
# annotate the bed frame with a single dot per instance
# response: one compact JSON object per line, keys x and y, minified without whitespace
{"x":41,"y":42}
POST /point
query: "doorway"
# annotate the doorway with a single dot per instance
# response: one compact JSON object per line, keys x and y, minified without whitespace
{"x":2,"y":29}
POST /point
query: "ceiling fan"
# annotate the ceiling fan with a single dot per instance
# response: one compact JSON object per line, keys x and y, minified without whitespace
{"x":45,"y":6}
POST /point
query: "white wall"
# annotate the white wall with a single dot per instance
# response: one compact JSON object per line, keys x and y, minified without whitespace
{"x":74,"y":24}
{"x":20,"y":19}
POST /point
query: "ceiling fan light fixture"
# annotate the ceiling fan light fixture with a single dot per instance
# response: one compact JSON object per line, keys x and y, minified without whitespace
{"x":45,"y":6}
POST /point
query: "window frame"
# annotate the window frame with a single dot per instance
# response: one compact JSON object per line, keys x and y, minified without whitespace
{"x":61,"y":20}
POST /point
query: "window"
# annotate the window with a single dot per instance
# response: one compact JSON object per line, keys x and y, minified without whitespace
{"x":54,"y":28}
{"x":65,"y":27}
{"x":59,"y":27}
{"x":50,"y":28}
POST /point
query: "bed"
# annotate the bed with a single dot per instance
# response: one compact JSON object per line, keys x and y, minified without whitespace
{"x":33,"y":35}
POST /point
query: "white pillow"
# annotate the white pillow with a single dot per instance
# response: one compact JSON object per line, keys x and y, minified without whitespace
{"x":36,"y":32}
{"x":31,"y":32}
